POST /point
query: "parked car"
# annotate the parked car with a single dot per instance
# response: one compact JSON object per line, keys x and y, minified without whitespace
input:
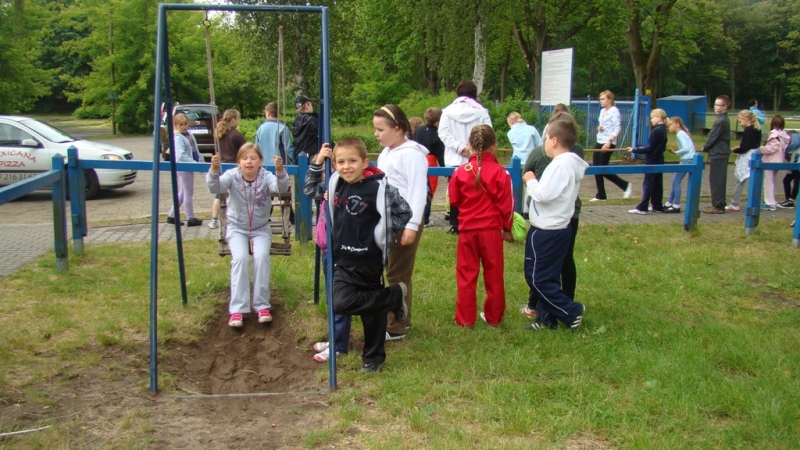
{"x":27,"y":147}
{"x":201,"y":125}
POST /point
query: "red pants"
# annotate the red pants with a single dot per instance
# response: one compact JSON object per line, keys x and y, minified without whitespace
{"x":433,"y":182}
{"x":474,"y":248}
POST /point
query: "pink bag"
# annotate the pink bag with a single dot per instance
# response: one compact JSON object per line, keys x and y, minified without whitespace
{"x":321,"y":228}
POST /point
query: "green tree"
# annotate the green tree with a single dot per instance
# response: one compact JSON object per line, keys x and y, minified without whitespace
{"x":23,"y":80}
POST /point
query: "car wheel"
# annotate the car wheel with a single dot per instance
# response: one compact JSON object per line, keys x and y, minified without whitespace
{"x":92,"y":184}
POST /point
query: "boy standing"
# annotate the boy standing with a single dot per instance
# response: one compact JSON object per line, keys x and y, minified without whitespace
{"x":365,"y":212}
{"x":551,"y":208}
{"x":718,"y":146}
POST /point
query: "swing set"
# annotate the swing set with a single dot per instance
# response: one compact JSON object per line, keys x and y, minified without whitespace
{"x":163,"y":95}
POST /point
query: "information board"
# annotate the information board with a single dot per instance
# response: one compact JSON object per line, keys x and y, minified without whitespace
{"x":556,"y":77}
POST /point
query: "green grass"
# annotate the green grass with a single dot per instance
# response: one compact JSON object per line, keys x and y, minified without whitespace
{"x":687,"y":341}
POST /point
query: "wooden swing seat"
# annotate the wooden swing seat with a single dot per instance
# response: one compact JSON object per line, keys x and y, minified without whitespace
{"x":280,"y":229}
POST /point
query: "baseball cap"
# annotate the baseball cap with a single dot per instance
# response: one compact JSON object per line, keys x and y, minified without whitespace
{"x":301,"y":100}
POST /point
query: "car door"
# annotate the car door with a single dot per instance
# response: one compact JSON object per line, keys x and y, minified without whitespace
{"x":22,"y":155}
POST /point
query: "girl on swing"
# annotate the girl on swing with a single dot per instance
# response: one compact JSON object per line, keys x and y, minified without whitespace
{"x":248,"y":228}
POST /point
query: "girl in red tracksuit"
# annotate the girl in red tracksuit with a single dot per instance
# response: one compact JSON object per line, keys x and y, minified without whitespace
{"x":481,"y":190}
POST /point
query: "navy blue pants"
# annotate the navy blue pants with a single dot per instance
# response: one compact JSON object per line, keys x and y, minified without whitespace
{"x":545,"y":251}
{"x":652,"y":192}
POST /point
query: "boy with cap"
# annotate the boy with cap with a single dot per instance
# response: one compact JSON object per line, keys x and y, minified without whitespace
{"x":305,"y":129}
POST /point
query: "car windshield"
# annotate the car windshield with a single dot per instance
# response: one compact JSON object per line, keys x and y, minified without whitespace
{"x":48,"y":132}
{"x":195,"y":112}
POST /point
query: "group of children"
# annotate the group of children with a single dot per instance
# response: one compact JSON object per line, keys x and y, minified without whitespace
{"x":375,"y":216}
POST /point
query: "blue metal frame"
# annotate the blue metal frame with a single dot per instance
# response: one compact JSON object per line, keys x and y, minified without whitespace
{"x":162,"y":83}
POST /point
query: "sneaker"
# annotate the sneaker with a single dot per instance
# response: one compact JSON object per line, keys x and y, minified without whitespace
{"x":236,"y":320}
{"x":791,"y":225}
{"x":371,"y":367}
{"x":535,"y":326}
{"x":597,"y":200}
{"x":768,"y":208}
{"x":194,"y":222}
{"x":787,"y":204}
{"x":171,"y":221}
{"x":428,"y":224}
{"x":394,"y":336}
{"x":324,"y":355}
{"x":453,"y":231}
{"x":527,"y":312}
{"x":671,"y":210}
{"x":628,"y":191}
{"x":402,"y":311}
{"x":636,"y":211}
{"x":264,"y":316}
{"x":576,"y":324}
{"x":214,"y":224}
{"x":447,"y":217}
{"x":320,"y":346}
{"x":667,"y":204}
{"x":730,"y":208}
{"x":714,"y":210}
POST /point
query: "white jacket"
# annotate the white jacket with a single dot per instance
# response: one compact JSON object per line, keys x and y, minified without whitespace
{"x":553,"y":197}
{"x":456,"y":124}
{"x":406,"y":168}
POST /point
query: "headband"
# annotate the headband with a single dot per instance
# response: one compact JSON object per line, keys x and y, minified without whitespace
{"x":389,"y":112}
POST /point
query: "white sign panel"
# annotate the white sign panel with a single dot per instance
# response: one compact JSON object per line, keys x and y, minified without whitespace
{"x":556,"y":77}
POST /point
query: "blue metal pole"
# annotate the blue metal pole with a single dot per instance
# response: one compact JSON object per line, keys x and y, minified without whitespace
{"x":161,"y":39}
{"x":753,"y":208}
{"x":60,"y":215}
{"x":77,"y":199}
{"x":516,"y":182}
{"x":325,"y":135}
{"x":692,"y":212}
{"x":635,"y":137}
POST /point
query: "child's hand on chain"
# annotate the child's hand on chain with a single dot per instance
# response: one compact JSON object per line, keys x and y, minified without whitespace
{"x":215,"y":164}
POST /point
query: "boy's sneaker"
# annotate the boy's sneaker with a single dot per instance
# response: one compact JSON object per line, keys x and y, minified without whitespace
{"x":428,"y":224}
{"x":786,"y":204}
{"x":527,"y":312}
{"x":535,"y":326}
{"x":768,"y":208}
{"x":636,"y":211}
{"x":453,"y":231}
{"x":320,"y":346}
{"x":402,"y":311}
{"x":628,"y":191}
{"x":214,"y":224}
{"x":732,"y":208}
{"x":447,"y":217}
{"x":194,"y":222}
{"x":576,"y":324}
{"x":236,"y":320}
{"x":264,"y":316}
{"x":595,"y":199}
{"x":371,"y":367}
{"x":715,"y":210}
{"x":394,"y":336}
{"x":171,"y":221}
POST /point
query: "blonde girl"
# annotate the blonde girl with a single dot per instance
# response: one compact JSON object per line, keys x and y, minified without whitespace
{"x":686,"y":153}
{"x":481,"y":190}
{"x":751,"y":139}
{"x":653,"y":186}
{"x":186,"y":151}
{"x":248,"y":229}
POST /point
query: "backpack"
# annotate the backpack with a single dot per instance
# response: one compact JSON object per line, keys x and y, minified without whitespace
{"x":794,"y":144}
{"x":321,"y":228}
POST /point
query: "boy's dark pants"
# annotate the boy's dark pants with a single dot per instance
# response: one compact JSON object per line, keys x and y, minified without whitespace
{"x":653,"y":192}
{"x":360,"y":291}
{"x":717,"y":179}
{"x":545,"y":251}
{"x":569,"y":272}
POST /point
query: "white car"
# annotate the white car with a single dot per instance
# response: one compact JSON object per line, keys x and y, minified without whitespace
{"x":27,"y":147}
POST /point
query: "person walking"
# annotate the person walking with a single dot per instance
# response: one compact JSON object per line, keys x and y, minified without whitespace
{"x":608,"y":129}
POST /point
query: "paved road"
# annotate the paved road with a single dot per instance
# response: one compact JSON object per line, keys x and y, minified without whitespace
{"x":26,"y":229}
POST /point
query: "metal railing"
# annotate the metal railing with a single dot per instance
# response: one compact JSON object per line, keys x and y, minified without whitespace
{"x":752,"y":210}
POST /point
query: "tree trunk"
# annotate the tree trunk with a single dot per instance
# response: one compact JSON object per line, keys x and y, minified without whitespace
{"x":479,"y":71}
